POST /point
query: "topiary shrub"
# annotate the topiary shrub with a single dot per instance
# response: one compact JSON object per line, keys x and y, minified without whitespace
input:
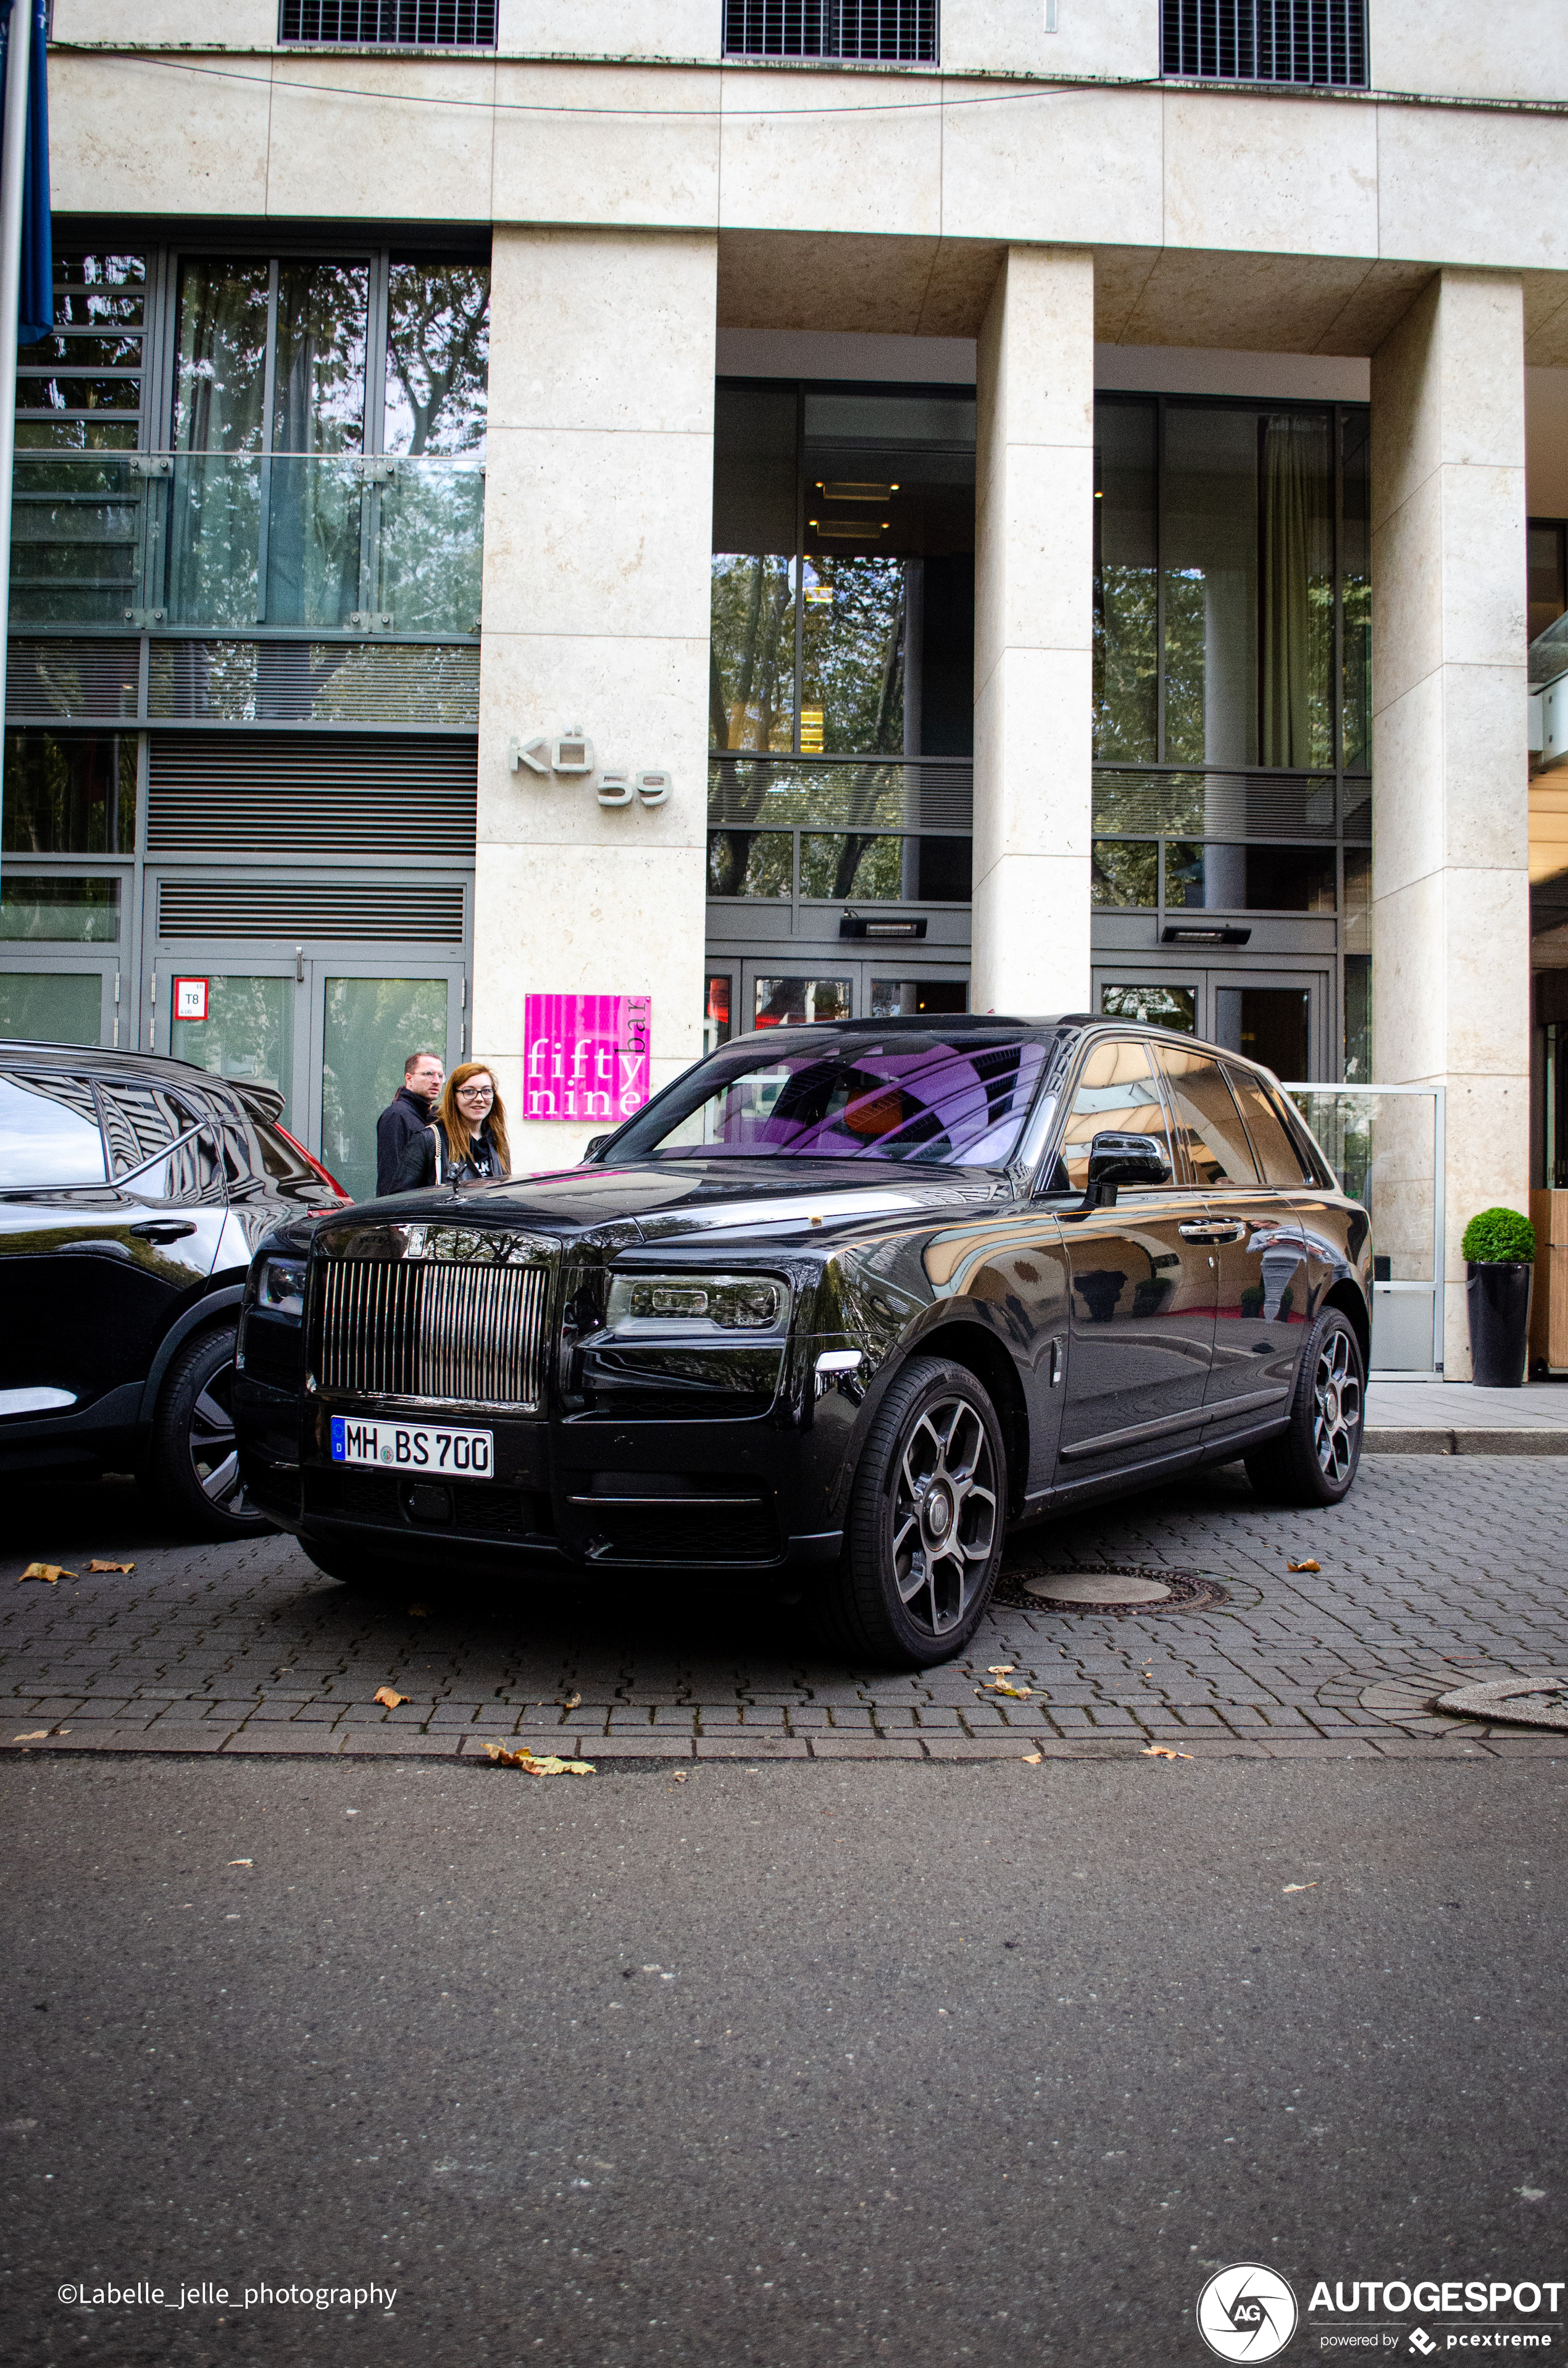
{"x":1498,"y":1236}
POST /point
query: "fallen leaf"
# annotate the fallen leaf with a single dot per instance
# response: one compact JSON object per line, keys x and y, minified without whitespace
{"x":417,"y":1612}
{"x":127,"y":1566}
{"x":1158,"y":1751}
{"x":241,"y":1862}
{"x":572,"y":1701}
{"x":1033,"y":1759}
{"x":680,"y":1775}
{"x":1017,"y":1694}
{"x":36,"y":1736}
{"x":390,"y":1698}
{"x":546,"y":1764}
{"x":1302,"y":1886}
{"x":53,"y":1571}
{"x":1308,"y":1565}
{"x":1001,"y":1668}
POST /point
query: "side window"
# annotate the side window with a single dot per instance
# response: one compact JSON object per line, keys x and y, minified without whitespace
{"x":1118,"y":1092}
{"x":136,"y":1123}
{"x":49,"y":1131}
{"x":1276,"y":1154}
{"x":1208,"y":1122}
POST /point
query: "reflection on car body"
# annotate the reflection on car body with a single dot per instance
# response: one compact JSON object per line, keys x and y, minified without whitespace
{"x":837,"y":1307}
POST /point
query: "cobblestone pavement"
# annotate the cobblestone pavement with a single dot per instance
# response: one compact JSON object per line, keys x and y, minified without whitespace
{"x":1436,"y":1571}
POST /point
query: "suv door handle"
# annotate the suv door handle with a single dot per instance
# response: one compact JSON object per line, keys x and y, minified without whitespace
{"x":1213,"y":1230}
{"x":163,"y":1229}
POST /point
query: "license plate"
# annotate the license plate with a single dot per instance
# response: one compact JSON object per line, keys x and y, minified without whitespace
{"x":415,"y":1447}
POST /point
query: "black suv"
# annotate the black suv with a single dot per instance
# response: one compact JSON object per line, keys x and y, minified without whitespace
{"x":133,"y":1192}
{"x":843,"y":1301}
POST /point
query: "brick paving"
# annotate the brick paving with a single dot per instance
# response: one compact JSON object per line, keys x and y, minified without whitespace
{"x":1436,"y":1571}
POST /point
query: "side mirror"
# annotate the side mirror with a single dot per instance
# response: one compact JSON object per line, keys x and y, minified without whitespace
{"x":595,"y":1144}
{"x":1116,"y":1159}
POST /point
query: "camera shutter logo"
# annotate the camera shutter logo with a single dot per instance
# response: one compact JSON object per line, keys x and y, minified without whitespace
{"x":1246,"y":2313}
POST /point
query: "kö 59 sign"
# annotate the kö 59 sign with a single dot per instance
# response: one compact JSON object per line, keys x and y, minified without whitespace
{"x":571,"y":755}
{"x":586,"y":1056}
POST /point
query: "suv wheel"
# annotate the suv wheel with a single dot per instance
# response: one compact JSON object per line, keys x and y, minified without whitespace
{"x":194,"y":1467}
{"x":1319,"y":1455}
{"x":926,"y":1514}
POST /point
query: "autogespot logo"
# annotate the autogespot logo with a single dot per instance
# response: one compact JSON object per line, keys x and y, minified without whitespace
{"x":1246,"y":2313}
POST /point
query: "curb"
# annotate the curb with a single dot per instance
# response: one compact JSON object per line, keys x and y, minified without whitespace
{"x":1464,"y":1442}
{"x":938,"y":1750}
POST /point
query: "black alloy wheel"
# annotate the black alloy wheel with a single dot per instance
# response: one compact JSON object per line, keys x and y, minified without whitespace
{"x":926,"y":1515}
{"x":193,"y":1466}
{"x":1318,"y":1457}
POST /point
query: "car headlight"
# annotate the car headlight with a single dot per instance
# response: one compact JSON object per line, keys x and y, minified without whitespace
{"x":732,"y":1302}
{"x":281,"y":1288}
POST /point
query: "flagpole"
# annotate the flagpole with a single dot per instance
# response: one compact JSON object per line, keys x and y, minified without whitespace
{"x":13,"y":174}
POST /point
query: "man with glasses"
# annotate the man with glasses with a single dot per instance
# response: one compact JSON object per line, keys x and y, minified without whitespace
{"x":408,"y":1114}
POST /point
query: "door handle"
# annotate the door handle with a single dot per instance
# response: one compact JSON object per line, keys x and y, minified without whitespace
{"x":1213,"y":1231}
{"x":164,"y":1229}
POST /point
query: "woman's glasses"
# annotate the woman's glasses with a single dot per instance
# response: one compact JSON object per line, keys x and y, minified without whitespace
{"x":476,"y":1093}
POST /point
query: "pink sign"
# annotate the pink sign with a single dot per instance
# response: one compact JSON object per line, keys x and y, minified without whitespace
{"x":585,"y":1056}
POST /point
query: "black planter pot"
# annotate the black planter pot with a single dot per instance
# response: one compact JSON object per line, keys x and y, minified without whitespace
{"x":1497,"y":1293}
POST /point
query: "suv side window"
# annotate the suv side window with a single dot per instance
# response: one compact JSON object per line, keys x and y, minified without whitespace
{"x":1207,"y":1121}
{"x":1119,"y":1091}
{"x":136,"y":1123}
{"x":49,"y":1131}
{"x":1276,"y":1150}
{"x":142,"y":1121}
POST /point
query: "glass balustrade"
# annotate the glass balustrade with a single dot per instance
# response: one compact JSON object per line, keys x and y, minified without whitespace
{"x":225,"y":542}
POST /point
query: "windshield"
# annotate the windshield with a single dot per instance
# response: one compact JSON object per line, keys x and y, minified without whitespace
{"x":907,"y":1096}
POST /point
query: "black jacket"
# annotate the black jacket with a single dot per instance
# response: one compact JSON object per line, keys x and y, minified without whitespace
{"x":421,"y":1168}
{"x":405,"y":1116}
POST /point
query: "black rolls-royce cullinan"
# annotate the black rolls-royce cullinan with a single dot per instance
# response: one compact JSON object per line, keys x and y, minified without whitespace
{"x":836,"y":1309}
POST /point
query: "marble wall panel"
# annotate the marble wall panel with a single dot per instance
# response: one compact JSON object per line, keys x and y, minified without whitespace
{"x":139,"y":136}
{"x":588,"y":533}
{"x":380,"y":139}
{"x":1032,"y":735}
{"x":233,"y":24}
{"x":1260,"y":303}
{"x":1114,"y":37}
{"x":823,"y":151}
{"x":776,"y":280}
{"x":611,"y":28}
{"x":1483,"y":189}
{"x":601,"y":347}
{"x":1061,"y":165}
{"x":645,"y":702}
{"x":1454,"y":46}
{"x":586,"y":144}
{"x":1546,"y":319}
{"x":1269,"y":175}
{"x":1021,"y":966}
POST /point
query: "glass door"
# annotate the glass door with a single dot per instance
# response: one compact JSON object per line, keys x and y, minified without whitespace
{"x":795,"y":986}
{"x":366,"y":1019}
{"x":1278,"y":1016}
{"x":239,"y":1023}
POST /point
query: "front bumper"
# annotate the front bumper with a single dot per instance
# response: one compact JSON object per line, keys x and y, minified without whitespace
{"x":686,"y":1495}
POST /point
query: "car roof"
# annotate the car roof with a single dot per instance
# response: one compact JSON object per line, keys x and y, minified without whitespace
{"x":15,"y":1052}
{"x":960,"y":1023}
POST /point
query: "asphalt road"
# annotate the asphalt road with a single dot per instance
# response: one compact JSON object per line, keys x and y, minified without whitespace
{"x":815,"y":2065}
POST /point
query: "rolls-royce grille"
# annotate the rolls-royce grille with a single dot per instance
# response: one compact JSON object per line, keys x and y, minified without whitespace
{"x":443,"y":1331}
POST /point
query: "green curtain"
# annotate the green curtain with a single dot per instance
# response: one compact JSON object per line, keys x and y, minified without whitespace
{"x":1297,"y":618}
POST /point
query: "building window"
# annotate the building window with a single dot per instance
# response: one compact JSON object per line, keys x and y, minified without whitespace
{"x":319,"y":464}
{"x":1266,"y":41}
{"x":69,"y":793}
{"x":892,"y":31}
{"x":390,"y":24}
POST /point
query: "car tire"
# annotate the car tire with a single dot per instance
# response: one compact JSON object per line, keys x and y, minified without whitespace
{"x":1316,"y":1460}
{"x":193,"y":1471}
{"x":927,"y":1509}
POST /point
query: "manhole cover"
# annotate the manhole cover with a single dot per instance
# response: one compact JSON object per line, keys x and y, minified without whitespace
{"x":1524,"y":1702}
{"x":1096,"y":1587}
{"x":1116,"y":1588}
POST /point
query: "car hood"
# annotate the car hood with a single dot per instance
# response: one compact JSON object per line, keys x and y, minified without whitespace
{"x":658,"y":1201}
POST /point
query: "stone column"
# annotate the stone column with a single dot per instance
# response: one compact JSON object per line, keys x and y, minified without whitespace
{"x":1034,"y":587}
{"x":598,"y":530}
{"x":1450,"y":891}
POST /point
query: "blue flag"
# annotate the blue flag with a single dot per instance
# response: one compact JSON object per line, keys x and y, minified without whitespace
{"x":36,"y":310}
